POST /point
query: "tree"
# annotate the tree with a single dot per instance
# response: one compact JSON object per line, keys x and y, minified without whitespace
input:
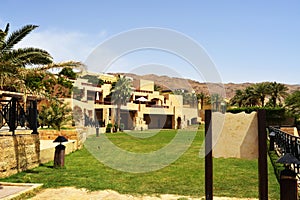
{"x":238,"y":99}
{"x":21,"y":56}
{"x":251,"y":99}
{"x":68,"y":73}
{"x":14,"y":76}
{"x":201,"y":97}
{"x":121,"y":92}
{"x":261,"y":90}
{"x":277,"y":92}
{"x":11,"y":59}
{"x":157,"y":88}
{"x":55,"y":114}
{"x":215,"y":100}
{"x":292,"y":103}
{"x":93,"y":79}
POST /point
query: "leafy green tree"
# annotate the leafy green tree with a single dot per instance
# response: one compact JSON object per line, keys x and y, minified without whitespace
{"x":292,"y":104}
{"x":93,"y":79}
{"x":157,"y":88}
{"x":55,"y":114}
{"x":120,"y":93}
{"x":68,"y":73}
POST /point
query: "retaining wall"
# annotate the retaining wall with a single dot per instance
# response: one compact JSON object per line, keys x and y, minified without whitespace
{"x":76,"y":134}
{"x":18,"y":153}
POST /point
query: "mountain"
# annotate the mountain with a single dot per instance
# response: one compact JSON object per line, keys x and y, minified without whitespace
{"x":172,"y":83}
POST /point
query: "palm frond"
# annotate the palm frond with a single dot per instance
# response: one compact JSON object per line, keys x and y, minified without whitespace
{"x":3,"y":35}
{"x":17,"y":36}
{"x":69,"y":64}
{"x":27,"y":56}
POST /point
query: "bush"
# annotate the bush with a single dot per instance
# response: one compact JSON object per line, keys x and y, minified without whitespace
{"x":122,"y":126}
{"x":108,"y":128}
{"x":275,"y":116}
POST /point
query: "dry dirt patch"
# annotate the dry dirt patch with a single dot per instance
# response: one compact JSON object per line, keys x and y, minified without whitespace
{"x":69,"y":193}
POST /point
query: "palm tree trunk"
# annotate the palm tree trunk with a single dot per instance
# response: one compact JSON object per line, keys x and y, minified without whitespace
{"x":262,"y":101}
{"x":274,"y":101}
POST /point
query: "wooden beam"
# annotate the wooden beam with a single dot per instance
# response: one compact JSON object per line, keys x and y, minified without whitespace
{"x":208,"y":157}
{"x":262,"y":155}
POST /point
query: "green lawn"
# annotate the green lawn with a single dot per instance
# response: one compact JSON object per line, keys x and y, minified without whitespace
{"x":232,"y":177}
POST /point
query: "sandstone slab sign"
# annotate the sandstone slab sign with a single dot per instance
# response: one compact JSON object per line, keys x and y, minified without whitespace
{"x":235,"y":135}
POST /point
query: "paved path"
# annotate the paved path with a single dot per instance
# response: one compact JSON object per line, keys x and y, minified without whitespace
{"x":10,"y":190}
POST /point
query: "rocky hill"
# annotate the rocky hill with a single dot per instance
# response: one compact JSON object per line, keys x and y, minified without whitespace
{"x":172,"y":83}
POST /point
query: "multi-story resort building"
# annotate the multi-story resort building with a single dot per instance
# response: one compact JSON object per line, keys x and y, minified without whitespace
{"x":146,"y":108}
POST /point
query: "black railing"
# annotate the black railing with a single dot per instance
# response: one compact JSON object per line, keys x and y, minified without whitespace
{"x":12,"y":114}
{"x":286,"y":143}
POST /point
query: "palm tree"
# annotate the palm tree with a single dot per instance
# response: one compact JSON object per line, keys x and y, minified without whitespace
{"x":12,"y":60}
{"x":201,"y":97}
{"x":238,"y":98}
{"x":215,"y":100}
{"x":261,"y":90}
{"x":251,"y":98}
{"x":292,"y":104}
{"x":21,"y":56}
{"x":121,"y":92}
{"x":277,"y":92}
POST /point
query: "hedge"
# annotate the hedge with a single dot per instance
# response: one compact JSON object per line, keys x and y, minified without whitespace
{"x":274,"y":116}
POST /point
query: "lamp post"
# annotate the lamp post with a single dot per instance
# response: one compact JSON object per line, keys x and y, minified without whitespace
{"x":288,"y":180}
{"x":272,"y":140}
{"x":59,"y":155}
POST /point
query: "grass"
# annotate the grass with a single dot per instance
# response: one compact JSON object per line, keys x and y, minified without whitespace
{"x":232,"y":177}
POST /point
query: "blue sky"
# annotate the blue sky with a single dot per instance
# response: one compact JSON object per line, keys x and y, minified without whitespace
{"x":249,"y":41}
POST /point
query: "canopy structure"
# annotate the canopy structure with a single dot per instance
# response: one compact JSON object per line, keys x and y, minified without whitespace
{"x":142,"y":99}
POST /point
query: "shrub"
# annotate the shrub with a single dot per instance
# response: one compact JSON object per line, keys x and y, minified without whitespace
{"x":108,"y":128}
{"x":274,"y":116}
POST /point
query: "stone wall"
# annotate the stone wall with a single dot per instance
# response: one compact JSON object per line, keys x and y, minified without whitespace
{"x":235,"y":135}
{"x":77,"y":134}
{"x":48,"y":149}
{"x":18,"y":153}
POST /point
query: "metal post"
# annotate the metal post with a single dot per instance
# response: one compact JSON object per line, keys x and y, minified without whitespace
{"x":12,"y":115}
{"x":97,"y":131}
{"x":208,"y":157}
{"x":262,"y":155}
{"x":272,"y":141}
{"x":34,"y":117}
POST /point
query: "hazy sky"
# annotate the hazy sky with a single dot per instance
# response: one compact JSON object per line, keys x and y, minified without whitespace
{"x":249,"y":41}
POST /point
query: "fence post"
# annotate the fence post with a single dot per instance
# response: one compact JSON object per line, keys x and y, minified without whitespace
{"x":34,"y":117}
{"x":208,"y":157}
{"x":12,"y":115}
{"x":262,"y":155}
